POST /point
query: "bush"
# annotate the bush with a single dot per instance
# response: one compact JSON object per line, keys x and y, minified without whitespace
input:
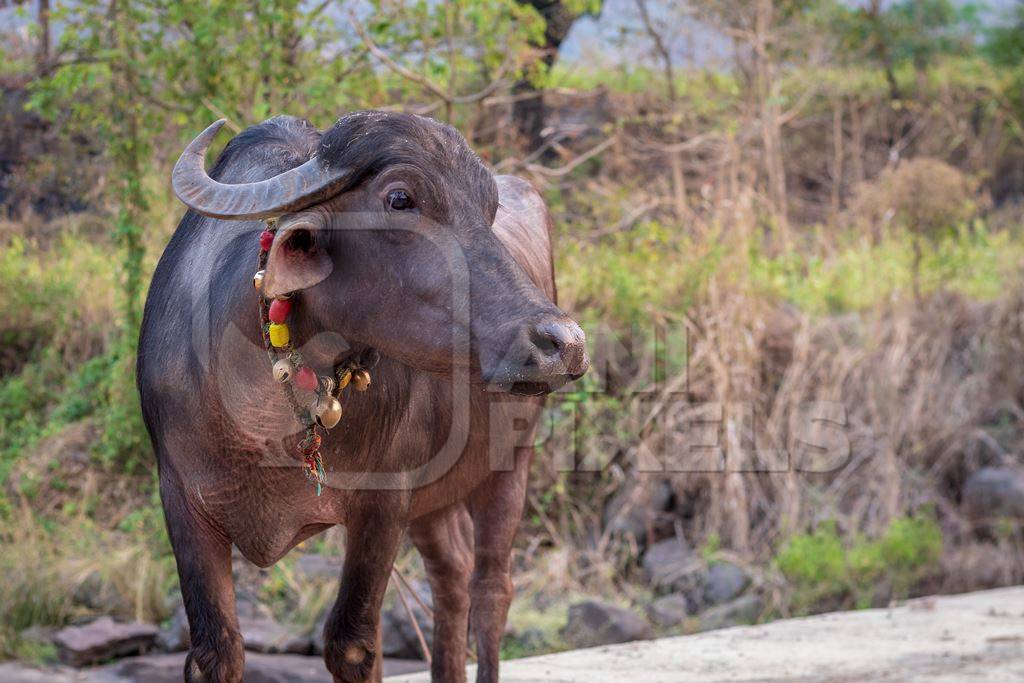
{"x":925,"y":196}
{"x":824,"y":573}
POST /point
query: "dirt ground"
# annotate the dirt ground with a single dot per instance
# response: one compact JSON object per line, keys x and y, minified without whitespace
{"x":944,"y":639}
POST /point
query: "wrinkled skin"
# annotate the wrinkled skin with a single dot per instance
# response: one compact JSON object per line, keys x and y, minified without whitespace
{"x":440,"y":444}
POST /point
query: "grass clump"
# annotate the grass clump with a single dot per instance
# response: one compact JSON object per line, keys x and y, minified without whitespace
{"x":826,"y":572}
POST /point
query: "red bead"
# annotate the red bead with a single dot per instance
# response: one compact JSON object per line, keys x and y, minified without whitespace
{"x":266,"y":239}
{"x":279,"y":310}
{"x":306,"y":379}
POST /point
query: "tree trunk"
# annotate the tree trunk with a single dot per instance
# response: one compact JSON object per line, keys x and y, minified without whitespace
{"x":528,"y":113}
{"x":43,"y":48}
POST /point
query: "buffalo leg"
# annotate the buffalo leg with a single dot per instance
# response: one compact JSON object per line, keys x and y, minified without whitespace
{"x":352,"y":634}
{"x":496,"y":506}
{"x":203,"y":555}
{"x":445,"y":541}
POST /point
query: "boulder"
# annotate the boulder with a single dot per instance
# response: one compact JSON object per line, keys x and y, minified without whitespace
{"x":14,"y":672}
{"x":398,"y":634}
{"x":671,"y":565}
{"x":724,"y":582}
{"x":175,"y":636}
{"x":744,"y":610}
{"x":316,"y":567}
{"x":636,"y":506}
{"x":592,"y":623}
{"x":259,"y":668}
{"x":103,"y":639}
{"x":993,"y":492}
{"x":669,"y":610}
{"x":317,"y":636}
{"x":263,"y":634}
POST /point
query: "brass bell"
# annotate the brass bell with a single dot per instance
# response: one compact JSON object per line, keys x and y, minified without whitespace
{"x":257,"y":280}
{"x":328,"y":412}
{"x":361,"y":380}
{"x":283,"y":370}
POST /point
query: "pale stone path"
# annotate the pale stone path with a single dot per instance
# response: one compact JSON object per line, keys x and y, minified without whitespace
{"x":945,"y":639}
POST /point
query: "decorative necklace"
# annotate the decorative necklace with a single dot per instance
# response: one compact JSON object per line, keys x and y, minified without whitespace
{"x":290,"y":370}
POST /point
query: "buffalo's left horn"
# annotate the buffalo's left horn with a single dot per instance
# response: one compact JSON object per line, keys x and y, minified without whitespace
{"x":293,"y":190}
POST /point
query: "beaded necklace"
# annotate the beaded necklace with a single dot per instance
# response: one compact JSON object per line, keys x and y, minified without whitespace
{"x":291,"y":371}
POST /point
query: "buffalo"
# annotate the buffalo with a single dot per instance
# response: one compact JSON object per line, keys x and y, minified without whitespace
{"x":399,"y":252}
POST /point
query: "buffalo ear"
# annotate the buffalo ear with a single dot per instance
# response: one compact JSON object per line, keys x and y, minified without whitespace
{"x":298,"y":259}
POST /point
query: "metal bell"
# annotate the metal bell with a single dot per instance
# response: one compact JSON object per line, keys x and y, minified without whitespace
{"x":283,"y":370}
{"x":361,"y":380}
{"x":257,"y":280}
{"x":328,"y":412}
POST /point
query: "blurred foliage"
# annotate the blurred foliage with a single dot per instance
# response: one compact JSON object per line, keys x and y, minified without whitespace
{"x":821,"y":566}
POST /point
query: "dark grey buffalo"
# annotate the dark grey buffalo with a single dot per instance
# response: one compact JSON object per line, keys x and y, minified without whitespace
{"x":394,"y":241}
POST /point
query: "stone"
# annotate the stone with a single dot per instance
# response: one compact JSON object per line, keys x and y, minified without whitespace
{"x":669,"y":611}
{"x":398,"y":635}
{"x":259,"y":668}
{"x":671,"y":565}
{"x":317,"y":636}
{"x":175,"y":636}
{"x":97,"y":595}
{"x":103,"y":639}
{"x":994,"y":492}
{"x":263,"y":634}
{"x":532,"y":640}
{"x":38,"y":635}
{"x":724,"y":582}
{"x":637,"y":505}
{"x":744,"y":610}
{"x":592,"y":623}
{"x":14,"y":672}
{"x":316,"y":567}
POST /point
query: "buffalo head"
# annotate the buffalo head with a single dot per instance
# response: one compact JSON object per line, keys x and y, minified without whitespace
{"x":387,"y":233}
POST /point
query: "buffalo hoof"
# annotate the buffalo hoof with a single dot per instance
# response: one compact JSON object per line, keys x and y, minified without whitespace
{"x":350,"y":662}
{"x":207,"y":665}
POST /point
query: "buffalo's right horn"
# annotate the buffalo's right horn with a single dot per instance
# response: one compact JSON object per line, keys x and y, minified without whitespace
{"x":293,"y":190}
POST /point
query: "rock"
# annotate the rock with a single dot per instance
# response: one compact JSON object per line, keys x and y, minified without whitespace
{"x":532,"y":640}
{"x":263,"y":634}
{"x":592,"y":623}
{"x":259,"y":668}
{"x":38,"y":635}
{"x":724,"y":582}
{"x":636,"y":506}
{"x":995,"y":492}
{"x":103,"y":639}
{"x":97,"y":595}
{"x":13,"y":672}
{"x":744,"y":610}
{"x":315,"y":567}
{"x":399,"y":637}
{"x":670,"y":610}
{"x":175,"y":636}
{"x":671,"y":565}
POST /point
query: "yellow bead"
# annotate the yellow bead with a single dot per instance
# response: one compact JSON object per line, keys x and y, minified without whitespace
{"x":279,"y":335}
{"x":343,"y":379}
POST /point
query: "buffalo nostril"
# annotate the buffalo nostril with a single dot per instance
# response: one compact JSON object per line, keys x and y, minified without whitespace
{"x":561,"y":342}
{"x":550,"y":338}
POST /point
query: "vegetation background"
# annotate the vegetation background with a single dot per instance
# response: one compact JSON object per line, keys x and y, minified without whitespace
{"x":817,"y":200}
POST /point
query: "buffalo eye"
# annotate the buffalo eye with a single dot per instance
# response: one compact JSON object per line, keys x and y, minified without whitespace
{"x":399,"y":200}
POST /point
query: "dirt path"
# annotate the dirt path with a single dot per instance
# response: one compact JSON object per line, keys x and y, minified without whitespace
{"x":950,"y":639}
